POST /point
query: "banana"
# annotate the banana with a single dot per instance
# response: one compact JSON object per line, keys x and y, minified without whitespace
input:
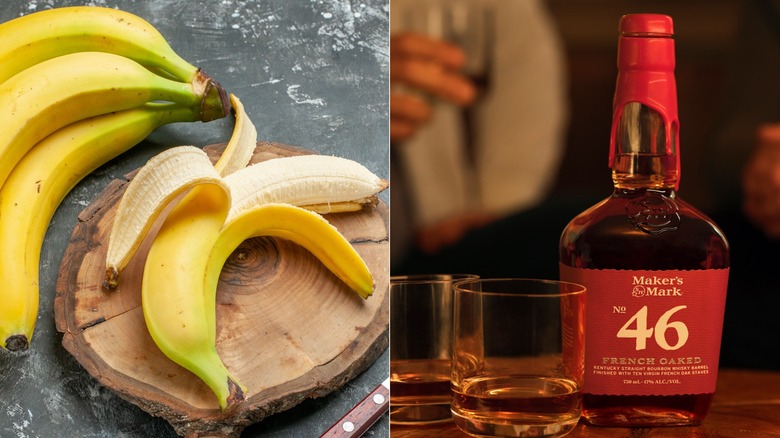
{"x":36,"y":37}
{"x":319,"y":183}
{"x":181,"y":273}
{"x":298,"y":225}
{"x":63,"y":90}
{"x":157,"y":183}
{"x":37,"y":185}
{"x":299,"y":180}
{"x":322,"y":183}
{"x":179,"y":286}
{"x":143,"y":201}
{"x":301,"y":226}
{"x":182,"y":267}
{"x":180,"y":315}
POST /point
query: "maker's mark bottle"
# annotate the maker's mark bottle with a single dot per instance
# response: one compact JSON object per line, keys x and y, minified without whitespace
{"x":656,"y":269}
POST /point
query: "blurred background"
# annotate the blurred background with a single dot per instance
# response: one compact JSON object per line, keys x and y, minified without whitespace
{"x":563,"y":63}
{"x":532,"y":144}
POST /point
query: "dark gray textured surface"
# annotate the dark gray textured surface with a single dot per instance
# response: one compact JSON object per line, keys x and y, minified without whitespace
{"x":310,"y":73}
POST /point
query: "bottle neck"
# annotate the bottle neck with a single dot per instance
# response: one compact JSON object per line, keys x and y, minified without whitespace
{"x":645,"y":149}
{"x":645,"y":127}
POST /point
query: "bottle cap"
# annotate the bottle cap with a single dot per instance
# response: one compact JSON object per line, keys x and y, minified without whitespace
{"x":646,"y":25}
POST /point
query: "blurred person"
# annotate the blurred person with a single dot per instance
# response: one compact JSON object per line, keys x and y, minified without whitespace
{"x":744,"y":163}
{"x":468,"y":197}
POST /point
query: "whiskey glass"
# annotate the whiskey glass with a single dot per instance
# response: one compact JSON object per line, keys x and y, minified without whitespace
{"x":518,"y":357}
{"x":420,"y":347}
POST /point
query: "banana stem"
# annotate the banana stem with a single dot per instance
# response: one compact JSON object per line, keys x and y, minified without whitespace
{"x":215,"y":103}
{"x":17,"y":343}
{"x":204,"y":94}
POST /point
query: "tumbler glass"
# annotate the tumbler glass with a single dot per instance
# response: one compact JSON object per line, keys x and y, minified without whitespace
{"x":518,"y":357}
{"x":420,"y":347}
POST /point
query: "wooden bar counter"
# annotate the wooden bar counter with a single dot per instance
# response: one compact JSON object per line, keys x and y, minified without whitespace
{"x":746,"y":404}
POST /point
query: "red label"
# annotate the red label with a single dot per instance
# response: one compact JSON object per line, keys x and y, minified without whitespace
{"x":651,"y":332}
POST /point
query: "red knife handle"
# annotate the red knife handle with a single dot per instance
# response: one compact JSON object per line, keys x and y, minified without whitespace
{"x":360,"y":418}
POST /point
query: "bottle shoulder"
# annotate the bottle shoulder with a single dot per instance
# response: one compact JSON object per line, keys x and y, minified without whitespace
{"x":644,"y":230}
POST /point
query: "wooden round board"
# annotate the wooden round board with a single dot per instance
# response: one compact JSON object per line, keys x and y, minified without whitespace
{"x":286,"y":327}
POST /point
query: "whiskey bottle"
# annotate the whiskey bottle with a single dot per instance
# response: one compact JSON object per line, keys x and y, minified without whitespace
{"x":656,"y":269}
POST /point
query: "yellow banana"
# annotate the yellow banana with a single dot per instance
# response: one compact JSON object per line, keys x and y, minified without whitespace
{"x":301,"y":226}
{"x":37,"y":185}
{"x":179,"y":313}
{"x":36,"y":37}
{"x":62,"y":90}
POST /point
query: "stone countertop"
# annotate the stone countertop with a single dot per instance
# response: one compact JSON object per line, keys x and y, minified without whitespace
{"x":312,"y":74}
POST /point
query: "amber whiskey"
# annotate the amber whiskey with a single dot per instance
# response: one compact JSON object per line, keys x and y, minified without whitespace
{"x":420,"y":391}
{"x":544,"y":406}
{"x":655,"y":267}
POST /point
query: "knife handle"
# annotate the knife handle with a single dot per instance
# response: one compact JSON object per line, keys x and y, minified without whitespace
{"x":360,"y":418}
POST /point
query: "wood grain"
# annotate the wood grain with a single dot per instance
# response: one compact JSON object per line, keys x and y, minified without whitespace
{"x":286,"y":327}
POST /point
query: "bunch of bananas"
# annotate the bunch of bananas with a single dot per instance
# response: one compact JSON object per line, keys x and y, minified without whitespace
{"x":81,"y":85}
{"x":78,"y":87}
{"x":223,"y":205}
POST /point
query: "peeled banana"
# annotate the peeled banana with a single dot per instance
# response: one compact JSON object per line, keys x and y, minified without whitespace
{"x":181,"y":271}
{"x":322,"y":183}
{"x":317,"y":182}
{"x":37,"y":185}
{"x":180,"y":274}
{"x":165,"y":176}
